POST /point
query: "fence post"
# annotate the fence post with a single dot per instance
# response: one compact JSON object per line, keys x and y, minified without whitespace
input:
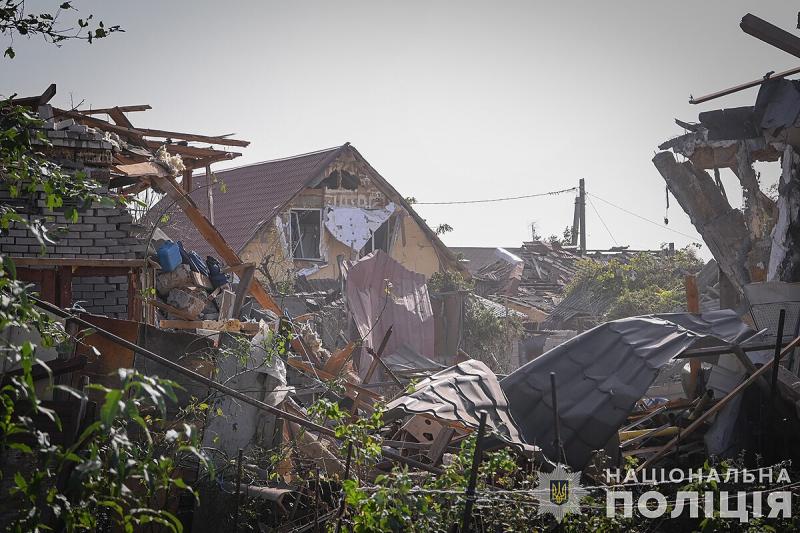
{"x":473,"y":475}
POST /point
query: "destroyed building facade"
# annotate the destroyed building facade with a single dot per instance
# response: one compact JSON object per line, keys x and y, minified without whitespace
{"x":304,"y":215}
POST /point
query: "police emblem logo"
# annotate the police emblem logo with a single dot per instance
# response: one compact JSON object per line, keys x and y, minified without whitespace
{"x":559,"y":491}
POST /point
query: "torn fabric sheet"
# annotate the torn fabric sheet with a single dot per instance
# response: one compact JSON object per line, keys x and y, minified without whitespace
{"x":354,"y":226}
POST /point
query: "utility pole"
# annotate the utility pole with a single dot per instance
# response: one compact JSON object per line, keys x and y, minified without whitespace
{"x":582,"y":214}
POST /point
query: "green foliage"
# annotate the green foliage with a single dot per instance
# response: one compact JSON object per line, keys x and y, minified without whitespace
{"x":361,"y":432}
{"x":488,"y":337}
{"x":448,"y":281}
{"x":646,"y":284}
{"x":15,"y":20}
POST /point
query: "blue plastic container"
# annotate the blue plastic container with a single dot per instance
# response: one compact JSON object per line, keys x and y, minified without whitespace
{"x":169,"y":256}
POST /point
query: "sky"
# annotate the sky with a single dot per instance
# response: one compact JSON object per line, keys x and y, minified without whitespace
{"x":449,"y":100}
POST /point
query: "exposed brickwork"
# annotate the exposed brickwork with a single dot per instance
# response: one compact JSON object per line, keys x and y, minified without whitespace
{"x":102,"y":295}
{"x":101,"y":231}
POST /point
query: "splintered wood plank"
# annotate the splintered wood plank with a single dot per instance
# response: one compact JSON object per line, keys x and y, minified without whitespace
{"x":318,"y":372}
{"x":336,"y":362}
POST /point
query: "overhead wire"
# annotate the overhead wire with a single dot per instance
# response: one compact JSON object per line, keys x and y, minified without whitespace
{"x":505,"y":199}
{"x":643,"y":218}
{"x":603,"y":222}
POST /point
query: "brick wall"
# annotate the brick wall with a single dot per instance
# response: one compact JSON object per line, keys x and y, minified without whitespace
{"x":101,"y":231}
{"x":102,"y":295}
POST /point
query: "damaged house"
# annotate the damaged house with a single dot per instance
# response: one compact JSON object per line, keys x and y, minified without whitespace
{"x":304,"y":215}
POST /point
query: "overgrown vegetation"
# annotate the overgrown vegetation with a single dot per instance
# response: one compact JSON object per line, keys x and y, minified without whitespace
{"x":487,"y":336}
{"x":645,"y":284}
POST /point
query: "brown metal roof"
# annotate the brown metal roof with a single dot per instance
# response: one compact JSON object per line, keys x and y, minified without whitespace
{"x":253,"y":194}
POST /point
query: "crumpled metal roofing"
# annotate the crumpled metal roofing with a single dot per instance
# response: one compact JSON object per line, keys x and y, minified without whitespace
{"x":458,"y":394}
{"x":406,"y":305}
{"x":601,"y":374}
{"x":253,"y":194}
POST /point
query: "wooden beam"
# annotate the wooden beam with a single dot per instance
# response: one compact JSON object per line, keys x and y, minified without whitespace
{"x":743,"y":86}
{"x":77,"y":262}
{"x":147,"y":132}
{"x":213,"y":237}
{"x":318,"y":372}
{"x":108,"y":110}
{"x":119,"y":117}
{"x":770,"y":34}
{"x":192,"y":151}
{"x":717,"y":406}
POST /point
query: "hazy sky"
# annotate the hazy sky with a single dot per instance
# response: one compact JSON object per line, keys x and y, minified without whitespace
{"x":449,"y":100}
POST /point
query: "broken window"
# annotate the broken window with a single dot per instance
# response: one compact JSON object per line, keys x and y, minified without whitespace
{"x":340,"y":179}
{"x":379,"y":240}
{"x":304,"y":229}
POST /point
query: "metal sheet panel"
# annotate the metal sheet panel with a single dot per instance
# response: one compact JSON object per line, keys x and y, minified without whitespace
{"x":602,"y":373}
{"x":380,"y":293}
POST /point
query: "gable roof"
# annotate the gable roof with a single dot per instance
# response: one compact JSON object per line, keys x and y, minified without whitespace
{"x":255,"y":194}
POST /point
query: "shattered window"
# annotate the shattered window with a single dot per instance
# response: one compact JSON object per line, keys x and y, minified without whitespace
{"x":379,"y":240}
{"x":305,"y":227}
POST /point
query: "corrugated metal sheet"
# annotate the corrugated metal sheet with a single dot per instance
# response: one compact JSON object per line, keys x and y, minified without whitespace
{"x":253,"y":194}
{"x":458,"y":394}
{"x":602,"y":373}
{"x":405,"y":306}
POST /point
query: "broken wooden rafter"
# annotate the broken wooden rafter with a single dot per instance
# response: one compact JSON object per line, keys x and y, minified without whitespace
{"x":207,"y":154}
{"x":743,"y":86}
{"x":147,"y":132}
{"x":770,"y":34}
{"x":35,"y":101}
{"x":719,"y":405}
{"x":109,"y":110}
{"x":213,"y":237}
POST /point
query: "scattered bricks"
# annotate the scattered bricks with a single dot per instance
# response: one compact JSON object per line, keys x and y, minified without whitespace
{"x":118,"y":279}
{"x":184,"y":299}
{"x":92,"y":250}
{"x":46,"y":112}
{"x":63,"y":124}
{"x":79,"y":128}
{"x":180,"y":277}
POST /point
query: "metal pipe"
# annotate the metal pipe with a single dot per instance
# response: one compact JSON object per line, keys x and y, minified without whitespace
{"x":556,"y":421}
{"x":473,"y":476}
{"x":777,"y":357}
{"x":280,"y":413}
{"x":238,"y":491}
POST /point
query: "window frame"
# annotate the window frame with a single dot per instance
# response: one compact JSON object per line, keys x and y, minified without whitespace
{"x":292,"y":250}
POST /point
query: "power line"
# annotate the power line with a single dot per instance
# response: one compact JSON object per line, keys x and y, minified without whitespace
{"x":603,"y":222}
{"x":551,"y":193}
{"x":643,"y":218}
